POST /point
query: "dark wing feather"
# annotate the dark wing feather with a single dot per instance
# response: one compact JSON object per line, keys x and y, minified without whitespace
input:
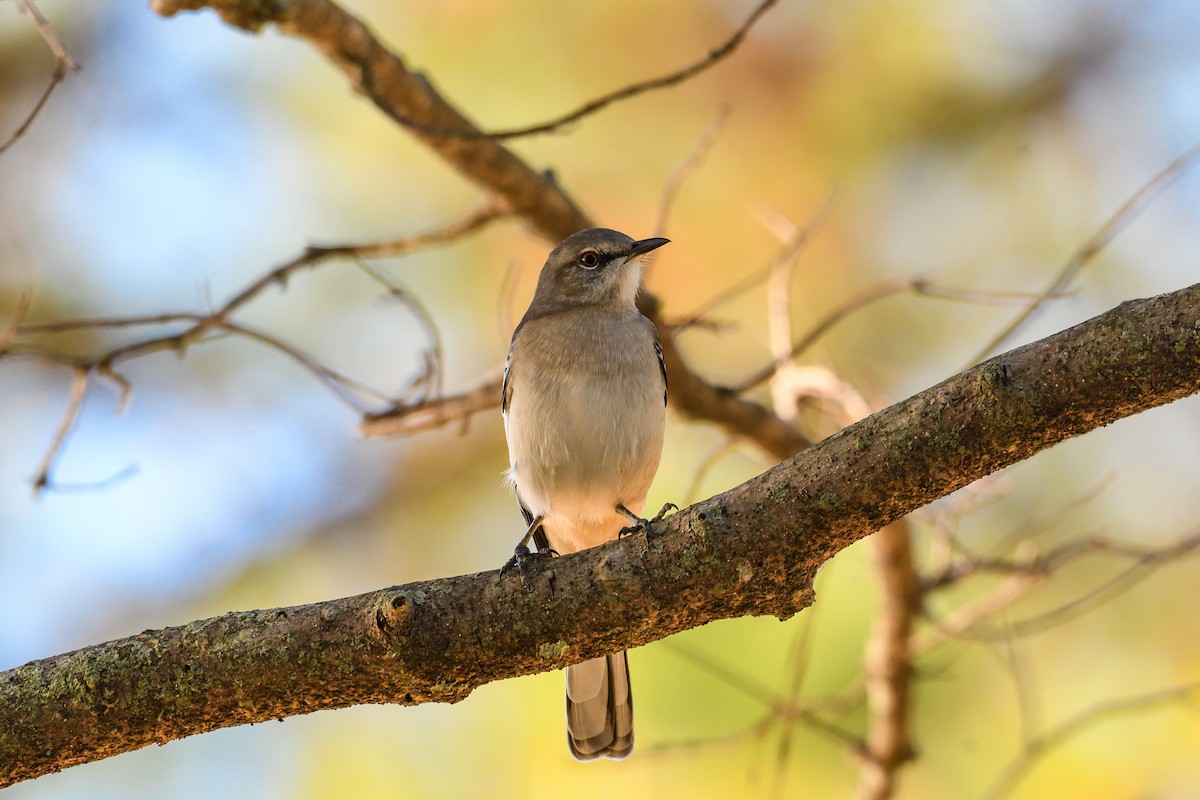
{"x":662,"y":365}
{"x":506,"y":390}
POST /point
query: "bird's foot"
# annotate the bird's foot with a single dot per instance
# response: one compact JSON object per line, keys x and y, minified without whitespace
{"x":523,"y":560}
{"x":643,"y":524}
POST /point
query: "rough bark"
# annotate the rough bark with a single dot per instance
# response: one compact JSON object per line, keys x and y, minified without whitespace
{"x":750,"y":551}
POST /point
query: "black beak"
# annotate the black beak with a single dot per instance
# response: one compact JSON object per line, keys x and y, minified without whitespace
{"x":645,"y":246}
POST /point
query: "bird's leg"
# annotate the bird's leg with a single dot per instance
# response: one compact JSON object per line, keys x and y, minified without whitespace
{"x":521,"y":557}
{"x":641,"y":523}
{"x":541,"y":544}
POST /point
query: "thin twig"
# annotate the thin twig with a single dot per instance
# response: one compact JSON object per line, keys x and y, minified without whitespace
{"x":1053,"y":560}
{"x":795,"y":672}
{"x":93,"y":323}
{"x":799,"y":239}
{"x":729,"y":676}
{"x":488,"y":212}
{"x":881,"y":291}
{"x":666,"y":202}
{"x":339,"y":384}
{"x":405,"y":419}
{"x":63,"y":65}
{"x":431,"y":376}
{"x":65,"y":425}
{"x":218,"y":323}
{"x":1044,"y":521}
{"x":1036,"y":569}
{"x":952,"y":626}
{"x":835,"y":316}
{"x":14,"y":324}
{"x":964,"y":623}
{"x":1026,"y":689}
{"x":1119,"y":584}
{"x":782,"y":709}
{"x":504,"y":299}
{"x":1039,"y":747}
{"x":602,"y":102}
{"x":104,"y":484}
{"x":705,"y":466}
{"x":779,"y":321}
{"x":1094,"y":244}
{"x":56,"y":47}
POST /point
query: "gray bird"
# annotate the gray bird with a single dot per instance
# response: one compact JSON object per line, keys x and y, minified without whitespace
{"x":584,"y":404}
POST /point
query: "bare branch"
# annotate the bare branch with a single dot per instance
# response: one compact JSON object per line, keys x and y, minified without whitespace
{"x":887,"y":666}
{"x":1041,"y":746}
{"x":790,"y":708}
{"x":404,"y":419}
{"x":1023,"y":684}
{"x":967,"y":617}
{"x":1125,"y":214}
{"x":675,"y":180}
{"x":1046,"y":520}
{"x":65,"y":426}
{"x":430,"y":381}
{"x":1029,"y":570}
{"x":337,"y":383}
{"x":56,"y":47}
{"x":392,"y":248}
{"x":101,"y":485}
{"x":218,"y":323}
{"x":63,"y":65}
{"x":733,"y":678}
{"x":881,"y":291}
{"x":14,"y":324}
{"x":93,"y":323}
{"x":587,"y":109}
{"x":797,"y":240}
{"x":786,"y":389}
{"x":784,"y":709}
{"x":641,"y":87}
{"x":1054,"y":560}
{"x":706,"y":464}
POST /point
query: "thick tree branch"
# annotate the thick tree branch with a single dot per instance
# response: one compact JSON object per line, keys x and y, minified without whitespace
{"x":752,"y":550}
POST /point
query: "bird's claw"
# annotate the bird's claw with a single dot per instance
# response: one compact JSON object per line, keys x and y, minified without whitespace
{"x":522,"y":558}
{"x":647,"y":525}
{"x":641,"y":524}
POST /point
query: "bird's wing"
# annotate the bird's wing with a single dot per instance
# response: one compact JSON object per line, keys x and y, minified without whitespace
{"x":662,"y":365}
{"x":506,"y":388}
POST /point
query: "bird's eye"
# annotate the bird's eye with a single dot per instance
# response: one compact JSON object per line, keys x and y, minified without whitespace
{"x":590,"y":259}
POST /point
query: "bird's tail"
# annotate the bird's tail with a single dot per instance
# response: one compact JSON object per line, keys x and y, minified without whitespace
{"x":600,"y":708}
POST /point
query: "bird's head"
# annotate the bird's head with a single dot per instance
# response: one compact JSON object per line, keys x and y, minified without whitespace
{"x":597,"y":266}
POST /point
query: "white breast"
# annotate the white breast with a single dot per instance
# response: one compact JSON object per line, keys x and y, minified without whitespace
{"x":584,"y":425}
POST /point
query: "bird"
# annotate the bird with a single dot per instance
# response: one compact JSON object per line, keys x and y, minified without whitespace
{"x":584,"y":407}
